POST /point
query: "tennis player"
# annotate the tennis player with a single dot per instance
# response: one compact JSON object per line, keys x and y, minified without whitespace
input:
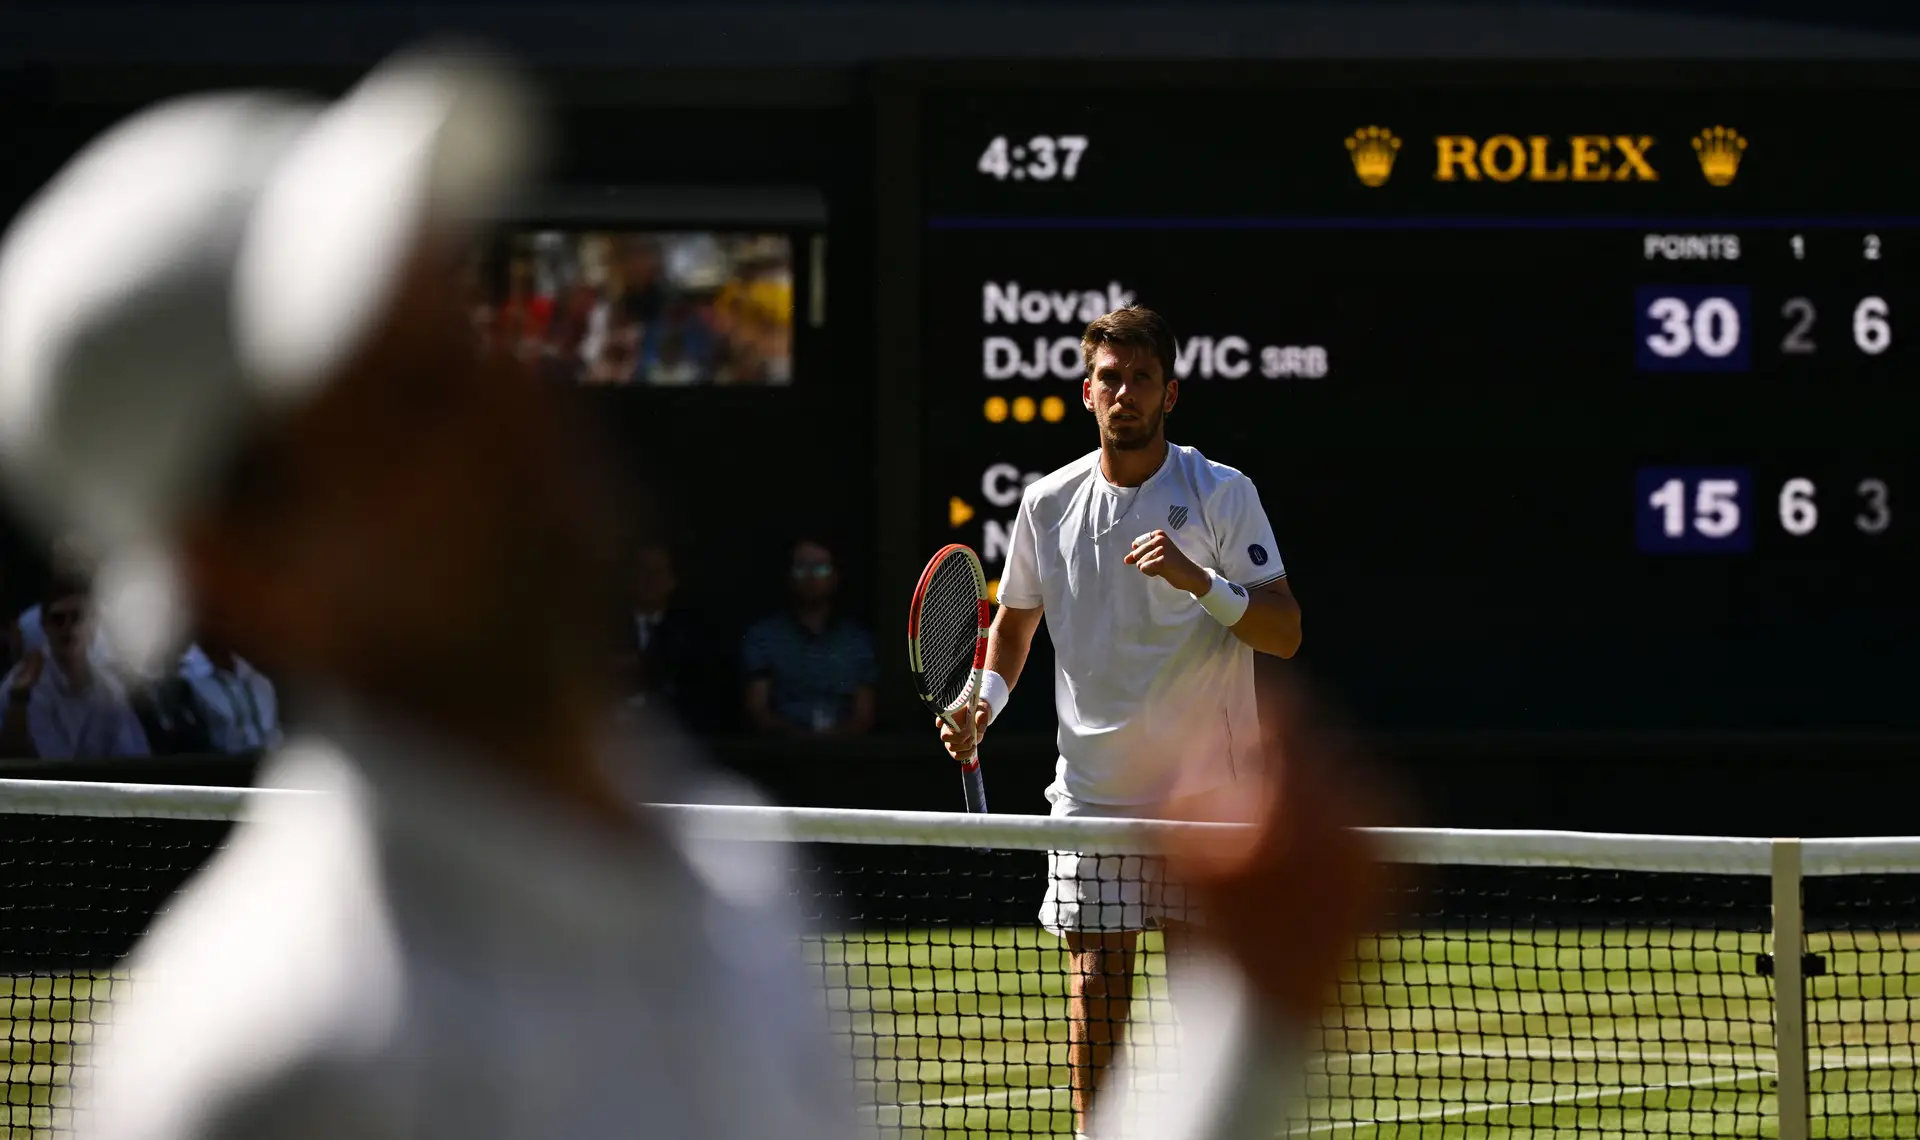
{"x":235,"y":355}
{"x":1156,"y":572}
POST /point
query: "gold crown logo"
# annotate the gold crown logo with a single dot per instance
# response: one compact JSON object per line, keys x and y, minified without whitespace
{"x":1373,"y":150}
{"x":1719,"y":149}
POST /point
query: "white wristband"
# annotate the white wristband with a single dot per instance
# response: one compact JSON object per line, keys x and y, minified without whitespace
{"x":1226,"y":601}
{"x":994,"y":691}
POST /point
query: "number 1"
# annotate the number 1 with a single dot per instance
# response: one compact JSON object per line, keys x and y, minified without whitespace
{"x":1671,"y":501}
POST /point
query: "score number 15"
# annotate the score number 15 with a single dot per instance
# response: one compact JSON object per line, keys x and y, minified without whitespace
{"x":1706,"y":509}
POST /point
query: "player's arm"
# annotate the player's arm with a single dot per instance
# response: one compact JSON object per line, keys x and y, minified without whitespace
{"x":1272,"y":621}
{"x":1248,"y":591}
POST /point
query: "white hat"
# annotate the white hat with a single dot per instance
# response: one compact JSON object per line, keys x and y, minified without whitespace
{"x":207,"y":263}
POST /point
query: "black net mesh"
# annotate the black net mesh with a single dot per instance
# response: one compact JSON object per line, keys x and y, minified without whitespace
{"x":1863,"y":989}
{"x":1496,"y":1002}
{"x":75,"y":894}
{"x":949,"y":630}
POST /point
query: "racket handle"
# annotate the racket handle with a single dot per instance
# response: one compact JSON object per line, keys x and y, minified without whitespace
{"x":974,"y":787}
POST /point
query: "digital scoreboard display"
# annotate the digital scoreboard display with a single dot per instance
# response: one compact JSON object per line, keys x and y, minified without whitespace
{"x":1578,"y":400}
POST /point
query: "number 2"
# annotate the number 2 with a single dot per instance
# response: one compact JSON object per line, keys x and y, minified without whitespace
{"x":1799,"y":338}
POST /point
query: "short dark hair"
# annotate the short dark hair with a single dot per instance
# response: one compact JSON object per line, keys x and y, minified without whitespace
{"x":60,"y":587}
{"x":1136,"y":326}
{"x":810,"y":539}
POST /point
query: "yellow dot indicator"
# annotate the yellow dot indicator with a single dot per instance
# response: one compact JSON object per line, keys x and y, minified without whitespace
{"x":1053,"y":409}
{"x":993,"y":590}
{"x":1023,"y":409}
{"x":996,"y":409}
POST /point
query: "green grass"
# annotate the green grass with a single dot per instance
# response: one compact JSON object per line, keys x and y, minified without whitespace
{"x":1494,"y":1034}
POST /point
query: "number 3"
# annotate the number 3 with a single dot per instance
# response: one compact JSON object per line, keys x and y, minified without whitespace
{"x":1676,"y":334}
{"x":1879,"y":515}
{"x":1043,"y":166}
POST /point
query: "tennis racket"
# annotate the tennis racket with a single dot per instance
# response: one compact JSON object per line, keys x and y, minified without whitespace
{"x":947,"y":647}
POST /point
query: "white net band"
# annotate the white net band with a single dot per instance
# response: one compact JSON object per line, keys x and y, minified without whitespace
{"x":1709,"y":855}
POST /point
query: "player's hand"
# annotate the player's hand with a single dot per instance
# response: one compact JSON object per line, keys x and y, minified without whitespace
{"x":1286,"y":899}
{"x":961,"y":743}
{"x":1158,"y":556}
{"x":27,"y":674}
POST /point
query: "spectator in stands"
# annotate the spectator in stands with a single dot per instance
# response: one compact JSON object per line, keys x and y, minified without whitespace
{"x":68,"y":559}
{"x":235,"y":702}
{"x":657,"y":647}
{"x":10,"y":636}
{"x":617,"y":341}
{"x":809,"y":671}
{"x":60,"y":704}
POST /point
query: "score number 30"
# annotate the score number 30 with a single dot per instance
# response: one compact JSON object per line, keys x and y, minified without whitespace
{"x":1704,"y":328}
{"x":1704,"y":510}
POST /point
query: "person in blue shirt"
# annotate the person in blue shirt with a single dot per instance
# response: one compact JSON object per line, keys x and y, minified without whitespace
{"x":61,"y":705}
{"x":809,"y":670}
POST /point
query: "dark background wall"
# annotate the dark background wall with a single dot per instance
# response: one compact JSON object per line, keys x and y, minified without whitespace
{"x":737,"y":95}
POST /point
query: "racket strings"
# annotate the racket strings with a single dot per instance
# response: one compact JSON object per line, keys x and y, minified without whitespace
{"x":949,"y":631}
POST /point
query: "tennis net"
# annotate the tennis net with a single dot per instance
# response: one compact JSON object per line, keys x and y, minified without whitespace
{"x":1522,"y":983}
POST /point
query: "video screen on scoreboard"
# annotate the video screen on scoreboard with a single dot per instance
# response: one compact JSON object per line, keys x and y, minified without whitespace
{"x":1573,"y":406}
{"x":644,"y":307}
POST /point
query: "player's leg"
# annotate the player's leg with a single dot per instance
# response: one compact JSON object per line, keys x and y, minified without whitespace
{"x":1099,"y":999}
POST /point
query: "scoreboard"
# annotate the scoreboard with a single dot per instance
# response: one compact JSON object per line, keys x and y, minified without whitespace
{"x":1582,"y":398}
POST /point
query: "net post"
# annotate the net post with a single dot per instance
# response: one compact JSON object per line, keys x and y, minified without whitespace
{"x":1789,"y":992}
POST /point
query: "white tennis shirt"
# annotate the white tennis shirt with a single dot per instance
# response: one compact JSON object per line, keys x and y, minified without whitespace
{"x":426,"y":952}
{"x":1146,"y":684}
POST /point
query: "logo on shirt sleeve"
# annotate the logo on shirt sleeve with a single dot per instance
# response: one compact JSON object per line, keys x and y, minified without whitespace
{"x":1258,"y":553}
{"x":1238,"y":591}
{"x":1177,"y":517}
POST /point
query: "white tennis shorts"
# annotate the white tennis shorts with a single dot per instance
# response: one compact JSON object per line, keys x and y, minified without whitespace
{"x":1116,"y":892}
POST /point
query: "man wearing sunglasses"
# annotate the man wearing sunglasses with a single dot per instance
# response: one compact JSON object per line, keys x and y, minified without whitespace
{"x":809,"y":670}
{"x":60,"y":704}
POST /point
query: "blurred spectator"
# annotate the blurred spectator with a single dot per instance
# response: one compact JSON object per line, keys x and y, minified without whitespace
{"x":665,"y":309}
{"x":68,"y":559}
{"x":526,"y":315}
{"x":235,"y":701}
{"x":10,"y":635}
{"x":60,"y":705}
{"x":612,"y":349}
{"x":808,"y":670}
{"x":658,"y":646}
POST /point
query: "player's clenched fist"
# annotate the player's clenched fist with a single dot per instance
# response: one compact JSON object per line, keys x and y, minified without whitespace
{"x":1158,"y":556}
{"x":960,"y":743}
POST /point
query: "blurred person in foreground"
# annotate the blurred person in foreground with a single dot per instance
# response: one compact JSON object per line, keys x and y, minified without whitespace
{"x":1156,"y":572}
{"x":61,"y":705}
{"x":277,"y":428}
{"x":809,"y":669}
